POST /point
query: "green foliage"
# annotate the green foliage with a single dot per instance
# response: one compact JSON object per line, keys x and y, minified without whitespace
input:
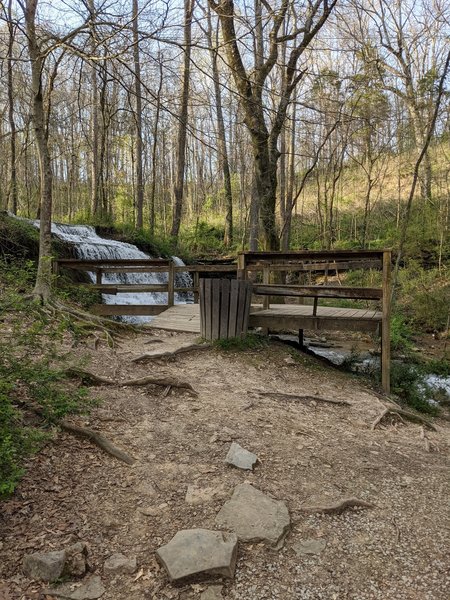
{"x":424,"y":296}
{"x":34,"y":391}
{"x":401,"y":334}
{"x":407,"y":383}
{"x":250,"y":341}
{"x":83,"y":295}
{"x":203,"y":239}
{"x":19,"y":240}
{"x":438,"y":367}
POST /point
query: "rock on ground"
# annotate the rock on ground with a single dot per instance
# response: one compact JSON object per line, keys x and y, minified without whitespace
{"x":199,"y":551}
{"x":213,"y":592}
{"x":240,"y":457}
{"x":118,"y":563}
{"x":47,"y":566}
{"x":255,"y":517}
{"x":76,"y":562}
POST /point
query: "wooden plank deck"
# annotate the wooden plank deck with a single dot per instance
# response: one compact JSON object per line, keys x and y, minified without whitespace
{"x":186,"y":318}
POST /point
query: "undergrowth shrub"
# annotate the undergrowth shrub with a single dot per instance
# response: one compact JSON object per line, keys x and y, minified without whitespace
{"x":34,"y":390}
{"x":250,"y":341}
{"x":407,"y":382}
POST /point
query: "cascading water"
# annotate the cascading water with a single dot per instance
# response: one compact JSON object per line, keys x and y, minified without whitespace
{"x":90,"y":246}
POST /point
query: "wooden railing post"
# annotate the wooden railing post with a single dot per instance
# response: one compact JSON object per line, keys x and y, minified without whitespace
{"x":386,"y":324}
{"x":241,"y":267}
{"x":171,"y":285}
{"x":196,"y":286}
{"x":266,"y":279}
{"x":98,"y":276}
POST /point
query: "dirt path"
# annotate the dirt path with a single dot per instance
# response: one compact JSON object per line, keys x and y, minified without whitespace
{"x":309,"y":455}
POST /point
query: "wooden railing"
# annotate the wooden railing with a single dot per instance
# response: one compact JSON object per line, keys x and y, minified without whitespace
{"x":149,"y":266}
{"x":330,"y":263}
{"x":263,"y":268}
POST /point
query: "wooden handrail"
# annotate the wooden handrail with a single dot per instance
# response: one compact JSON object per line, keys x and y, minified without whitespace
{"x":318,"y":291}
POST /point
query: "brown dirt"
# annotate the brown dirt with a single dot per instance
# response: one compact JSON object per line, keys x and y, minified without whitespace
{"x":309,"y":455}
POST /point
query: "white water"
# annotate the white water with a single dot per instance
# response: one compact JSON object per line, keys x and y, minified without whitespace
{"x":90,"y":246}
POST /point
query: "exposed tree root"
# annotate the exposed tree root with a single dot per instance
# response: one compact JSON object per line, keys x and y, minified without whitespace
{"x":282,"y":396}
{"x":338,"y":507}
{"x":164,"y":382}
{"x":158,"y":355}
{"x":99,"y":440}
{"x":402,"y":414}
{"x":92,"y":379}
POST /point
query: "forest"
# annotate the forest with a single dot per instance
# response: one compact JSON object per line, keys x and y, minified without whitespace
{"x":197,"y":130}
{"x":256,"y":125}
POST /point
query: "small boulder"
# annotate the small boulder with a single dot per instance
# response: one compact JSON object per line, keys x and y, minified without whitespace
{"x":240,"y":457}
{"x":46,"y":566}
{"x":254,"y":516}
{"x":118,"y":563}
{"x":193,"y":552}
{"x":76,"y":560}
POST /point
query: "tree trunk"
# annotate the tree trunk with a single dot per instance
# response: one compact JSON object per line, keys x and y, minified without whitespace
{"x":12,"y":123}
{"x":154,"y":149}
{"x":43,"y":280}
{"x":222,"y":142}
{"x":138,"y":119}
{"x":182,"y":129}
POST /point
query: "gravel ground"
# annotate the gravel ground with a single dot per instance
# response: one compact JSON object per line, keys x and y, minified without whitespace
{"x":311,"y":454}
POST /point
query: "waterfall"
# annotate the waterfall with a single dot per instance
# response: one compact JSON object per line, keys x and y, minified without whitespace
{"x":90,"y":246}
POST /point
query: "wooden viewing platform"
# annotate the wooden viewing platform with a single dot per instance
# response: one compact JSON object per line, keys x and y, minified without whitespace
{"x":267,"y":271}
{"x":186,"y":318}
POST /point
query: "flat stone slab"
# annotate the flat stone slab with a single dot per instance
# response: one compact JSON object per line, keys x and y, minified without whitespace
{"x":193,"y":552}
{"x":240,"y":457}
{"x":89,"y":589}
{"x":309,"y":546}
{"x":255,"y":517}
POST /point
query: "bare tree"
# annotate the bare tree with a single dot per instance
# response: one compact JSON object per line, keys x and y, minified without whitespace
{"x":250,"y":87}
{"x":183,"y":119}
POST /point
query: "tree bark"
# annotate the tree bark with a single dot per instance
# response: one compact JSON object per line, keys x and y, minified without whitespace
{"x":222,"y":142}
{"x":251,"y":87}
{"x":138,"y":119}
{"x":183,"y":120}
{"x":42,"y":287}
{"x":12,"y":122}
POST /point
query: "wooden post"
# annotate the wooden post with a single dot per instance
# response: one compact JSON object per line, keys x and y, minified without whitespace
{"x":386,"y":325}
{"x":266,"y":279}
{"x":196,"y":286}
{"x":98,"y":276}
{"x":171,"y":285}
{"x":241,"y":270}
{"x":315,"y":306}
{"x":301,"y":338}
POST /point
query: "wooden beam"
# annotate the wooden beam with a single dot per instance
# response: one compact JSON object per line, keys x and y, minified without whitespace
{"x":386,"y":325}
{"x":123,"y":288}
{"x":318,"y":291}
{"x":128,"y":309}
